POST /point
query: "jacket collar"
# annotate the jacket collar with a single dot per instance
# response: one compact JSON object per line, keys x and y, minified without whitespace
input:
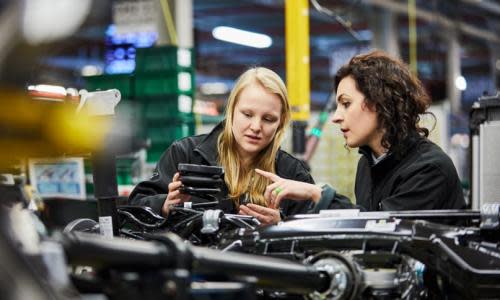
{"x":207,"y":148}
{"x":391,"y":158}
{"x":368,"y":154}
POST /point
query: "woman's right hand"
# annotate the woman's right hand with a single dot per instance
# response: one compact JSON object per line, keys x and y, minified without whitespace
{"x":174,"y":195}
{"x":282,"y":188}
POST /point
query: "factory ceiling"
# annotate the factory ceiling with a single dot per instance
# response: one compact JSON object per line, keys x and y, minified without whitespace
{"x":338,"y":30}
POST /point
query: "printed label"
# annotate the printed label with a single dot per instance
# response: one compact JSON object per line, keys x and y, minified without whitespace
{"x":106,"y":226}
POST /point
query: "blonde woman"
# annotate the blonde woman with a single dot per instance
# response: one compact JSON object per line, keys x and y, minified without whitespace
{"x":249,"y":137}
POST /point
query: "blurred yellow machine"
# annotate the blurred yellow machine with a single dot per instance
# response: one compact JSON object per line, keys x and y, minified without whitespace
{"x":43,"y":128}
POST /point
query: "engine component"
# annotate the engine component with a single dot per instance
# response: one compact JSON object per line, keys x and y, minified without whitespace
{"x":211,"y":220}
{"x":344,"y":278}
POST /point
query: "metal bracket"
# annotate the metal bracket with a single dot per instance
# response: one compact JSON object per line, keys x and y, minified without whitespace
{"x":211,"y":221}
{"x":490,"y":215}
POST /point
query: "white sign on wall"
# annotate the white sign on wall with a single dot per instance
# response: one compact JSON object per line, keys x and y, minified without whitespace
{"x":134,"y":16}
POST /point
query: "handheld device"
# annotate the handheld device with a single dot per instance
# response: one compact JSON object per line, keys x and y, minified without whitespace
{"x":199,"y":180}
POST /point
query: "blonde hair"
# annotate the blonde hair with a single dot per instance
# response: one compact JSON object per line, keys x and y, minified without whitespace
{"x":240,"y":179}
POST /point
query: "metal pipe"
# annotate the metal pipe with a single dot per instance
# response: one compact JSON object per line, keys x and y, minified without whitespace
{"x":275,"y":273}
{"x":95,"y":250}
{"x":431,"y":17}
{"x":486,"y":5}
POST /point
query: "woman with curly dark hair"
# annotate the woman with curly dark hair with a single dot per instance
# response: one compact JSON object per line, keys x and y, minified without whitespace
{"x":379,"y":107}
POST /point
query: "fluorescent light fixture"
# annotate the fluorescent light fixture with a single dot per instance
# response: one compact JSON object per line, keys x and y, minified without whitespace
{"x":242,"y":37}
{"x":460,"y":83}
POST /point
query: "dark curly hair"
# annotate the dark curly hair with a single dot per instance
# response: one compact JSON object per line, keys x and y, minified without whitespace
{"x":397,"y":95}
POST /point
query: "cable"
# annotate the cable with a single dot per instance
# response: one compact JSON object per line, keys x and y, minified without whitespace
{"x":186,"y":221}
{"x":238,"y":223}
{"x":346,"y":24}
{"x":186,"y":210}
{"x":136,"y":220}
{"x":131,"y":234}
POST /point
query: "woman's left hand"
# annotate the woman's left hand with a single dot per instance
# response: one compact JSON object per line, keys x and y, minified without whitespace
{"x":265,"y":215}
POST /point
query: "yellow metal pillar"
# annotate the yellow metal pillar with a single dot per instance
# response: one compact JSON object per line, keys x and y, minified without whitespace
{"x":412,"y":34}
{"x":297,"y":67}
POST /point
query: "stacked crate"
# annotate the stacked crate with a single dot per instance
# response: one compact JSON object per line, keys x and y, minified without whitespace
{"x":160,"y":94}
{"x":164,"y":84}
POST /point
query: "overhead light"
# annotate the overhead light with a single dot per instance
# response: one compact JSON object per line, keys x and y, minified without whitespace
{"x":460,"y":83}
{"x":242,"y":37}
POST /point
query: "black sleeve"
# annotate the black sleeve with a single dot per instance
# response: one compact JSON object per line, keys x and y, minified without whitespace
{"x":291,"y":207}
{"x":330,"y":199}
{"x":419,"y":188}
{"x":363,"y":184}
{"x":153,"y":192}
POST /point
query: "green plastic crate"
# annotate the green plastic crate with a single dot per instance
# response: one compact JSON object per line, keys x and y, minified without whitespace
{"x":183,"y":126}
{"x":168,"y":107}
{"x":167,"y":58}
{"x":162,"y":137}
{"x":124,"y":170}
{"x":164,"y":83}
{"x":123,"y":173}
{"x":153,"y":156}
{"x":156,"y":150}
{"x":169,"y":133}
{"x":121,"y":82}
{"x":89,"y":185}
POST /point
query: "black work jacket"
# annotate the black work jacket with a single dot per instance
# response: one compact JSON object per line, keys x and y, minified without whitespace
{"x":202,"y":150}
{"x":423,"y":177}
